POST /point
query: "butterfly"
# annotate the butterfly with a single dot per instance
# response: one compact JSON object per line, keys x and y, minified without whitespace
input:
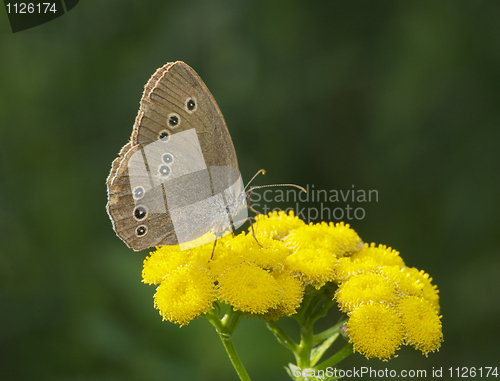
{"x":177,"y":181}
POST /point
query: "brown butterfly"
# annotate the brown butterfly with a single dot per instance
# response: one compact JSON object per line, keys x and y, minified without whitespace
{"x":177,"y":180}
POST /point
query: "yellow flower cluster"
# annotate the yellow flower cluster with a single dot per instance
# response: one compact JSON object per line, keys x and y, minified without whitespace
{"x":264,"y":277}
{"x":388,"y":304}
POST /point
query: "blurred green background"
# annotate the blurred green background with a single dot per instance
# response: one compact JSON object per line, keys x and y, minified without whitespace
{"x":401,"y":97}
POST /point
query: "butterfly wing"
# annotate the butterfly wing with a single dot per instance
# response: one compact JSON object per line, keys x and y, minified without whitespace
{"x":165,"y":170}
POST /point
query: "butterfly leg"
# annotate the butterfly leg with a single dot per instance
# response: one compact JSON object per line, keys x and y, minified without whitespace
{"x":253,"y":234}
{"x":213,"y":250}
{"x":218,"y":230}
{"x":253,"y":231}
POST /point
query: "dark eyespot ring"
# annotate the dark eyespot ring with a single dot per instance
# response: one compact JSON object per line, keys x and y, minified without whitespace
{"x":163,"y":170}
{"x":191,"y":105}
{"x":141,"y":231}
{"x":138,"y":193}
{"x":174,"y":120}
{"x":164,"y":135}
{"x":167,"y":158}
{"x":140,"y":212}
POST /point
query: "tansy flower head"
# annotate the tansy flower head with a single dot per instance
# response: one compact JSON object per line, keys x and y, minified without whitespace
{"x":291,"y":295}
{"x":338,"y":239}
{"x":365,"y":289}
{"x":348,"y":267}
{"x":381,"y":255}
{"x":313,"y":266}
{"x":162,"y":262}
{"x":430,"y":291}
{"x":370,"y":259}
{"x":421,"y":323}
{"x":185,"y":294}
{"x":276,"y":225}
{"x":375,"y":330}
{"x":265,"y":252}
{"x":249,"y":288}
{"x":224,"y":257}
{"x":166,"y":259}
{"x":404,"y":284}
{"x":377,"y":276}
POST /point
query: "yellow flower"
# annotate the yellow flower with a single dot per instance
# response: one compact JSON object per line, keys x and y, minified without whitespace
{"x":162,"y":262}
{"x":338,"y":239}
{"x":365,"y":289}
{"x":430,"y":291}
{"x":421,"y":323}
{"x":381,"y":255}
{"x":291,"y":295}
{"x":388,"y":303}
{"x":276,"y":225}
{"x":185,"y":294}
{"x":166,"y":259}
{"x":370,"y":259}
{"x":405,"y":284}
{"x":348,"y":268}
{"x":313,"y":266}
{"x":224,"y":258}
{"x":267,"y":253}
{"x":375,"y":330}
{"x":249,"y":288}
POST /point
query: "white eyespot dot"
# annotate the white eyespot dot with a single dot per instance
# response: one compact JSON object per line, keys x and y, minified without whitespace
{"x":141,"y":231}
{"x":167,"y":158}
{"x":141,"y":212}
{"x":138,"y":192}
{"x":191,"y":105}
{"x":173,"y":120}
{"x":163,"y":171}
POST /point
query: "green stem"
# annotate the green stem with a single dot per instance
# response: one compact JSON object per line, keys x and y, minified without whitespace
{"x":322,"y":311}
{"x":225,"y":328}
{"x":306,"y":345}
{"x":213,"y":318}
{"x":226,"y":319}
{"x":234,"y":322}
{"x":299,"y":316}
{"x":316,"y":300}
{"x":282,"y":336}
{"x":233,"y":356}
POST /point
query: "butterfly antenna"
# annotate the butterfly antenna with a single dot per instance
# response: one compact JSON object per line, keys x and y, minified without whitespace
{"x":278,"y":185}
{"x":263,"y":171}
{"x":249,"y":195}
